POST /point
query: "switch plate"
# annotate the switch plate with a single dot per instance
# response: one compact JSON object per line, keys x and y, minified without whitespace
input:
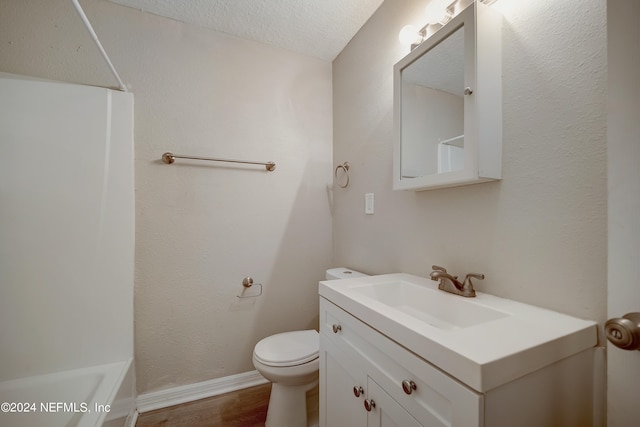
{"x":368,"y":203}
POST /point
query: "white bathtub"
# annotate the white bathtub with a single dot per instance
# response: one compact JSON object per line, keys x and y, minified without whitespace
{"x":81,"y":397}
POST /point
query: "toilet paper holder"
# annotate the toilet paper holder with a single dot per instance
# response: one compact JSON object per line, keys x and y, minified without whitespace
{"x":247,"y":282}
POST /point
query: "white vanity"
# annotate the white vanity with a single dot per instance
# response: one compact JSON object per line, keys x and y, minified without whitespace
{"x":396,"y":351}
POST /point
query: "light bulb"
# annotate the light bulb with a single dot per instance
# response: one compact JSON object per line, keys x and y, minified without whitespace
{"x":436,"y":11}
{"x":409,"y":35}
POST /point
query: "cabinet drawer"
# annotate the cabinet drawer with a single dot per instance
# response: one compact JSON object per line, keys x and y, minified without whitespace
{"x":436,"y":400}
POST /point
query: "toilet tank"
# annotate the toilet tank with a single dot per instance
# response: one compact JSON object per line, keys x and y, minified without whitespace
{"x":342,"y":273}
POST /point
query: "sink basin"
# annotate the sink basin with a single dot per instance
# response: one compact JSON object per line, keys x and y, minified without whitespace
{"x":484,"y":341}
{"x":429,"y":305}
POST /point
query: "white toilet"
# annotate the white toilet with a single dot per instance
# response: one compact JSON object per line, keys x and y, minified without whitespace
{"x":290,"y":361}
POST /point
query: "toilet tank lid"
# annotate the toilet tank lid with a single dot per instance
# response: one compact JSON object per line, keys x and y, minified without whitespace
{"x":343,"y":273}
{"x":288,"y":348}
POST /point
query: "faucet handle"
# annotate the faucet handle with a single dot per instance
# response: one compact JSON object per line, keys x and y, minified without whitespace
{"x":467,"y":286}
{"x":467,"y":278}
{"x":438,"y":268}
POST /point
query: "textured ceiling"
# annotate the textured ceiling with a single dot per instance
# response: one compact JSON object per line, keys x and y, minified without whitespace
{"x":320,"y":28}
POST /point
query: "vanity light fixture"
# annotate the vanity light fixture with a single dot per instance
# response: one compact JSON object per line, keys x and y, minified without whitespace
{"x":437,"y":13}
{"x":410,"y":35}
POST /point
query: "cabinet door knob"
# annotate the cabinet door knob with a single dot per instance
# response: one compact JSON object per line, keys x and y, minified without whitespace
{"x":468,"y":91}
{"x":369,"y":404}
{"x":357,"y":391}
{"x":336,"y":328}
{"x":408,"y":386}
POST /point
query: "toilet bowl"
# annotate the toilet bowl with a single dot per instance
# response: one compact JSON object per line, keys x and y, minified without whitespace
{"x":290,"y":360}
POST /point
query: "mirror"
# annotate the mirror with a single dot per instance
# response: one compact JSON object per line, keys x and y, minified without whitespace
{"x":447,"y":103}
{"x":432,"y":109}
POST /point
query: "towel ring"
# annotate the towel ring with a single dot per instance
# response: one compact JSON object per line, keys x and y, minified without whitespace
{"x":345,"y":168}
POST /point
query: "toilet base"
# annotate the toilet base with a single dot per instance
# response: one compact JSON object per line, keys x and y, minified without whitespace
{"x":288,"y":405}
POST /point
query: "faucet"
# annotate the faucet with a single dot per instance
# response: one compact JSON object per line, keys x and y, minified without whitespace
{"x":464,"y":289}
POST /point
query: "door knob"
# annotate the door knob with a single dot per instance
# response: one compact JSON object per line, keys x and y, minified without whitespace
{"x":624,"y":332}
{"x":336,"y":328}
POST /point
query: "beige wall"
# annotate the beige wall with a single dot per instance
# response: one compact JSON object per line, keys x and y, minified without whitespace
{"x":201,"y":228}
{"x":539,"y":235}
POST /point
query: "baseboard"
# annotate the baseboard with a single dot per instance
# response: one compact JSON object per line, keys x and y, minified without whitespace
{"x":174,"y":396}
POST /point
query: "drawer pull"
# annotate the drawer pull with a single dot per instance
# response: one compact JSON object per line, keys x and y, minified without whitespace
{"x":357,"y":391}
{"x":408,"y":386}
{"x":336,"y":328}
{"x":369,"y":404}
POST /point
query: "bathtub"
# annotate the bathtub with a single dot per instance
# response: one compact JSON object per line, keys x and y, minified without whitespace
{"x":81,"y":397}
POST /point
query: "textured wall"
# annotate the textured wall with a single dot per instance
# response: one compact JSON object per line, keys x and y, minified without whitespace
{"x":201,"y":228}
{"x":539,"y":235}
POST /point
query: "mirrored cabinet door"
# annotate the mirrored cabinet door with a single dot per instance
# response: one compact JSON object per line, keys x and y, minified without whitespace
{"x":447,"y":105}
{"x":432,"y":106}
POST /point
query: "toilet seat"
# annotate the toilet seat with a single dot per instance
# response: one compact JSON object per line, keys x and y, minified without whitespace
{"x":288,"y":348}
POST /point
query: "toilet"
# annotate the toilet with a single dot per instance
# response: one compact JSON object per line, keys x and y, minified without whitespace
{"x":290,"y":361}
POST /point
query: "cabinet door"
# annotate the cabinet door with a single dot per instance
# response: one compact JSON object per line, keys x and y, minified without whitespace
{"x":437,"y":400}
{"x":339,"y":375}
{"x":386,"y":412}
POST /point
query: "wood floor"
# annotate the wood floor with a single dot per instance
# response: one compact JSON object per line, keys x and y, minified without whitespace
{"x":244,"y":408}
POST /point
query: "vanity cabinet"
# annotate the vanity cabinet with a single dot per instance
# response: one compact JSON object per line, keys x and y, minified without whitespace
{"x":415,"y":355}
{"x":366,"y":379}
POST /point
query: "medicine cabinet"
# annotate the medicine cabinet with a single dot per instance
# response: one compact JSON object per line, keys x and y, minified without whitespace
{"x":448,"y":105}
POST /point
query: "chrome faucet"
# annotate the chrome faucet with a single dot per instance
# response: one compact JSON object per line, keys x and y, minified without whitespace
{"x":465,"y":288}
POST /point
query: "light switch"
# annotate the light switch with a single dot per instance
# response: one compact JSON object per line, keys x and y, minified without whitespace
{"x":368,"y":203}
